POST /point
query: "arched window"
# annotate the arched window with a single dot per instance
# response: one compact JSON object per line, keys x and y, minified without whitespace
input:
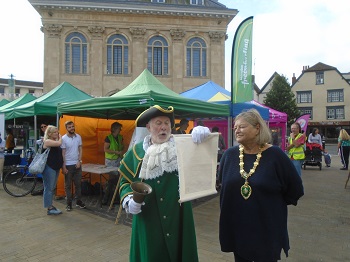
{"x":196,"y":57}
{"x":76,"y":54}
{"x":117,"y":55}
{"x":157,"y":54}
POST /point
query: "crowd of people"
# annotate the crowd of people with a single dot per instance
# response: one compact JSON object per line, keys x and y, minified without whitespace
{"x":258,"y":181}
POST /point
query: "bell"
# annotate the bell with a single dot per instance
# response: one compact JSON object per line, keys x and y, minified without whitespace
{"x":140,"y":190}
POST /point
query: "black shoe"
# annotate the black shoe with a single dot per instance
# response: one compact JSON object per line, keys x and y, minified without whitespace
{"x":37,"y":192}
{"x":69,"y":207}
{"x":343,"y":168}
{"x":80,"y":204}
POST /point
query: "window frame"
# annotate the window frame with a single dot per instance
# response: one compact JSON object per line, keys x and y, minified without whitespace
{"x":335,"y":112}
{"x":117,"y":64}
{"x":300,"y":99}
{"x":333,"y":98}
{"x":306,"y":110}
{"x":158,"y":56}
{"x":320,"y":78}
{"x":196,"y":46}
{"x":76,"y":54}
{"x":197,"y":2}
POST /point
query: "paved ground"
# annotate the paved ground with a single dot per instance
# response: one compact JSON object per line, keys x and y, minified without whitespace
{"x":318,"y":226}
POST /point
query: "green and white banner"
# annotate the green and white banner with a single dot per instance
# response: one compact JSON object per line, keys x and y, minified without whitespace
{"x":241,"y":63}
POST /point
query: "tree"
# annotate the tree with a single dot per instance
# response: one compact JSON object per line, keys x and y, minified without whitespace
{"x":281,"y":98}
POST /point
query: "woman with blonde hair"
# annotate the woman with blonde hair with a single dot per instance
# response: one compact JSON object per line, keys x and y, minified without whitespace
{"x":52,"y":141}
{"x":258,"y":183}
{"x":344,"y":148}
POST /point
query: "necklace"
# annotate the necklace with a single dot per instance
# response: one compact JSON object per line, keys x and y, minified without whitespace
{"x":246,"y":190}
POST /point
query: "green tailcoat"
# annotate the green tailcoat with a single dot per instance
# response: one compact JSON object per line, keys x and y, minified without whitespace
{"x":164,"y":230}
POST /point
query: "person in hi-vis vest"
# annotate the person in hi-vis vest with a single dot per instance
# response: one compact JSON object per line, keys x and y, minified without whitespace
{"x":295,"y":146}
{"x":114,"y":150}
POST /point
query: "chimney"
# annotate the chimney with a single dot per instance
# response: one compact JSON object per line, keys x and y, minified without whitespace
{"x":305,"y":68}
{"x":294,"y":79}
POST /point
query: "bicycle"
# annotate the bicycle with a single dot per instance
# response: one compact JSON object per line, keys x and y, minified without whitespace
{"x":18,"y":181}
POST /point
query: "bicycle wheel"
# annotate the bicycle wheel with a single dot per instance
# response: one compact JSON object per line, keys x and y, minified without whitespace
{"x":18,"y":182}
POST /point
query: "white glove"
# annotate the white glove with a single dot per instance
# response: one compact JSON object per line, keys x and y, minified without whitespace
{"x":199,"y":133}
{"x":134,"y":208}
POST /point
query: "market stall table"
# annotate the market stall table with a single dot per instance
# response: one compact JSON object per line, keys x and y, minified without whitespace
{"x":100,"y":170}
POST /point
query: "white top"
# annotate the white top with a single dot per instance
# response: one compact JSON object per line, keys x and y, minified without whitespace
{"x":315,"y":139}
{"x":71,"y":144}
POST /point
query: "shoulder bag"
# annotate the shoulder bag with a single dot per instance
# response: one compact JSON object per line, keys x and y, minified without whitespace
{"x":37,"y":166}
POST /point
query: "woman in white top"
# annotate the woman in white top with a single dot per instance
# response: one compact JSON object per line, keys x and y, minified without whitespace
{"x":315,"y":137}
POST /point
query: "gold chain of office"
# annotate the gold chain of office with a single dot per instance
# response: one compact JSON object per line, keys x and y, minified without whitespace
{"x":246,"y":189}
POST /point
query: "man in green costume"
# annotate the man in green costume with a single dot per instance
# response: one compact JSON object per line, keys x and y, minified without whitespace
{"x":162,"y":228}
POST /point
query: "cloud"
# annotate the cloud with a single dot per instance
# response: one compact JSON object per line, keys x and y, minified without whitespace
{"x":293,"y":34}
{"x":22,"y":45}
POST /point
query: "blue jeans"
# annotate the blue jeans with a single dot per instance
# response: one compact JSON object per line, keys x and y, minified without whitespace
{"x":49,"y":180}
{"x":298,"y":164}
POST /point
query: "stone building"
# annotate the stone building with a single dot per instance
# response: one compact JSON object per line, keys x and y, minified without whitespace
{"x":101,"y":46}
{"x":20,"y":88}
{"x":322,"y":91}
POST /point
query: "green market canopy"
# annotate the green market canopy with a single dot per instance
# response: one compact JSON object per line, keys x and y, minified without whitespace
{"x":4,"y":102}
{"x":17,"y":102}
{"x":47,"y":104}
{"x":144,"y":92}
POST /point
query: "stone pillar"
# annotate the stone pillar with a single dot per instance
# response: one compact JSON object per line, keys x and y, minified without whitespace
{"x":217,"y":58}
{"x":139,"y":51}
{"x":52,"y":60}
{"x":96,"y":67}
{"x":178,"y":59}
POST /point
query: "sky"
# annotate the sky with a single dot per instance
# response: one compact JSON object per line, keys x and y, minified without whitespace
{"x":287,"y":35}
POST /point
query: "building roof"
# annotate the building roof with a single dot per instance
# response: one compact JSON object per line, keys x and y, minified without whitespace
{"x":206,"y":4}
{"x":320,"y":67}
{"x":211,"y":8}
{"x":268,"y":82}
{"x":23,"y":83}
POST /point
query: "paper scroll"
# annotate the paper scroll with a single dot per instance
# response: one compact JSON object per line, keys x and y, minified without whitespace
{"x":197,"y":166}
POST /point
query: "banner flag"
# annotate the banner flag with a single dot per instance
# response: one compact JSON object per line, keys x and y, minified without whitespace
{"x":303,"y":120}
{"x":241,"y":63}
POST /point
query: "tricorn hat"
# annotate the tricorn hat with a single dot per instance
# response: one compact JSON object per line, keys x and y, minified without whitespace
{"x":153,"y":112}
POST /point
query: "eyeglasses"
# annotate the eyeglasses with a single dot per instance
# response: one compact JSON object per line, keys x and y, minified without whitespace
{"x":43,"y":126}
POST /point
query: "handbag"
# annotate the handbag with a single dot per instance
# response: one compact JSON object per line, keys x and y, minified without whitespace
{"x":37,"y":165}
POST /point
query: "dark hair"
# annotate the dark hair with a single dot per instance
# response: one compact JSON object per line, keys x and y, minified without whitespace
{"x":215,"y":129}
{"x":115,"y":126}
{"x":183,"y":121}
{"x":314,"y":131}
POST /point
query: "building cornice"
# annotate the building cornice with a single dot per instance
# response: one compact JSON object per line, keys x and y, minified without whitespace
{"x":167,"y":10}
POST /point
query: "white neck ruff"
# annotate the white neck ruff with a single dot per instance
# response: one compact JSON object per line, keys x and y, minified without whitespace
{"x":159,"y":158}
